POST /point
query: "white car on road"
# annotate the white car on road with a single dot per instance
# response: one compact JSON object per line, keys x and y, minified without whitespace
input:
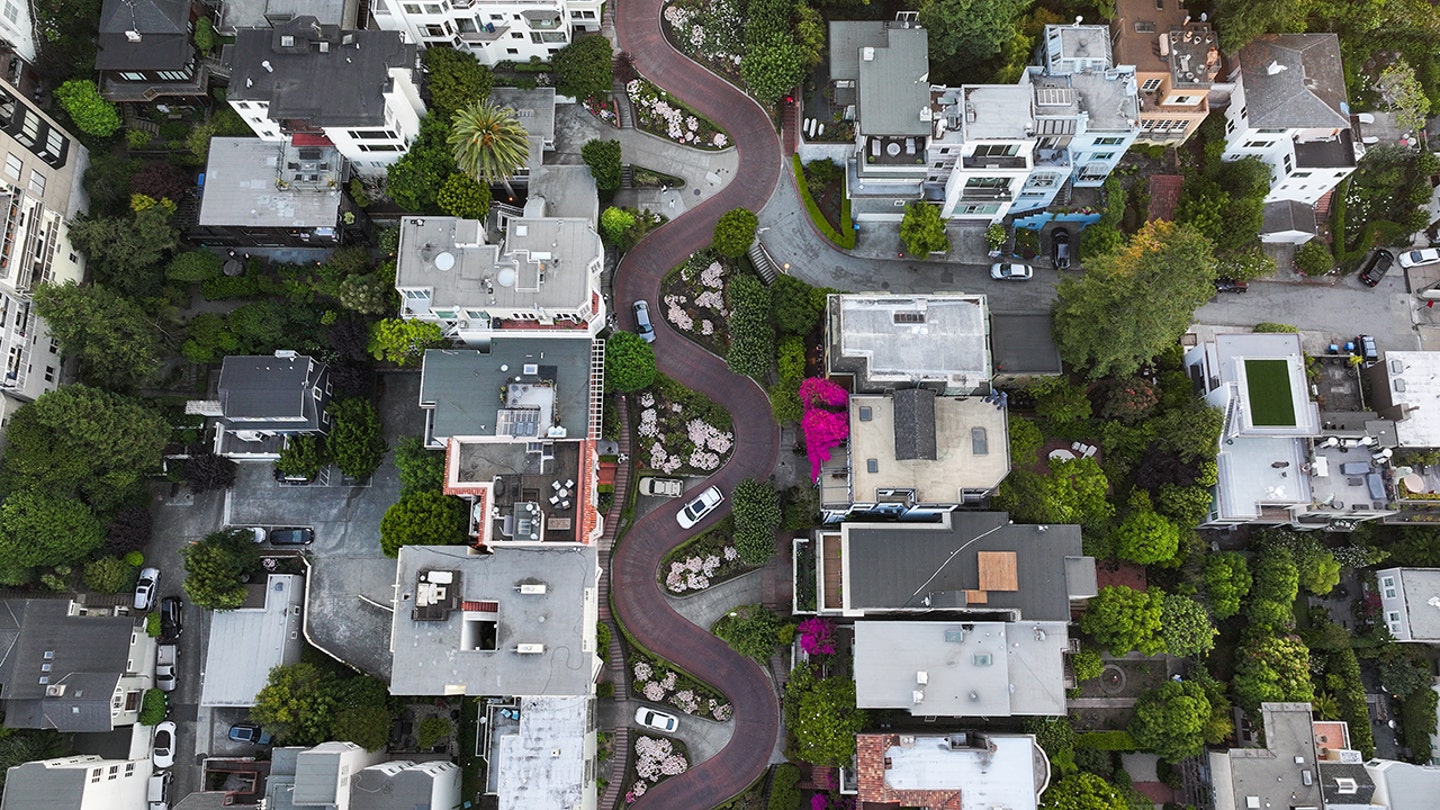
{"x":696,"y":510}
{"x":1009,"y":271}
{"x":1411,"y":258}
{"x":646,"y":717}
{"x":163,"y":751}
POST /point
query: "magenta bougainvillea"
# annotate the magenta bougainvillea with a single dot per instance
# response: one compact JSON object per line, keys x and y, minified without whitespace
{"x":817,"y":636}
{"x":826,"y":421}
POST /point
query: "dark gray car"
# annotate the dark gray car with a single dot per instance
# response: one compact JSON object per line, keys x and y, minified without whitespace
{"x":292,"y":537}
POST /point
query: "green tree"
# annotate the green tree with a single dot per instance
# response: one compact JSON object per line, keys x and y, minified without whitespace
{"x":110,"y":575}
{"x":1314,"y":258}
{"x":1083,"y":791}
{"x":421,"y":468}
{"x":615,"y":223}
{"x":403,"y":342}
{"x":1146,"y":537}
{"x":792,"y":308}
{"x":1247,"y":19}
{"x":1186,"y":627}
{"x":1418,"y":546}
{"x":462,"y":197}
{"x":1406,"y":96}
{"x":455,"y":79}
{"x":923,"y":231}
{"x":784,"y":788}
{"x":1227,"y":581}
{"x":822,"y":715}
{"x":414,"y":180}
{"x":297,"y":704}
{"x":371,"y":293}
{"x":127,"y":253}
{"x":603,"y":158}
{"x":735,"y":232}
{"x":1025,"y":441}
{"x":204,"y":36}
{"x":19,"y":746}
{"x":356,"y":443}
{"x":1404,"y":670}
{"x":92,"y":114}
{"x":114,"y":339}
{"x":152,"y":708}
{"x":427,"y":517}
{"x":964,"y":33}
{"x":1187,"y":506}
{"x":1170,"y":267}
{"x":751,"y":630}
{"x":1170,"y":720}
{"x":629,"y":362}
{"x":1087,"y":665}
{"x":1059,"y":401}
{"x":1271,"y":669}
{"x":585,"y":68}
{"x":1122,"y":619}
{"x":489,"y":143}
{"x":41,"y":529}
{"x":78,"y":440}
{"x":302,"y":457}
{"x":216,"y":566}
{"x":194,"y":265}
{"x":757,"y":517}
{"x":772,"y":67}
{"x":1076,"y":491}
{"x":752,"y":336}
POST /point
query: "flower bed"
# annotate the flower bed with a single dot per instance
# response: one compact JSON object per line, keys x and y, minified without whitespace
{"x":656,"y":759}
{"x":659,"y":113}
{"x":694,"y":299}
{"x":709,"y":31}
{"x":682,"y":432}
{"x":658,"y":683}
{"x":606,"y":109}
{"x":709,"y":559}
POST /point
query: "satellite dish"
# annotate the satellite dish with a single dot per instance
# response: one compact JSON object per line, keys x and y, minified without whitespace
{"x":445,"y":260}
{"x":506,"y":277}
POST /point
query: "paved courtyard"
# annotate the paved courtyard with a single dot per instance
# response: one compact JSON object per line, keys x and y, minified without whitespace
{"x":351,"y":581}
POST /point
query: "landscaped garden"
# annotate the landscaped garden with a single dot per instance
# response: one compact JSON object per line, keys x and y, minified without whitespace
{"x":822,"y":189}
{"x":681,"y":432}
{"x":712,"y":33}
{"x":655,"y":760}
{"x":694,"y":298}
{"x":657,"y":682}
{"x":703,"y":561}
{"x":659,"y":113}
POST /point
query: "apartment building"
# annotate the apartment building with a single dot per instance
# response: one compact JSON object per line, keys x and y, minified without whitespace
{"x":492,"y":30}
{"x":1177,"y":60}
{"x":1289,"y":109}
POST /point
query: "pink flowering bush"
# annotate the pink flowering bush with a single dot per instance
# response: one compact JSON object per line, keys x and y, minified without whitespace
{"x":817,"y":637}
{"x":826,"y":420}
{"x":819,"y":802}
{"x":817,"y":391}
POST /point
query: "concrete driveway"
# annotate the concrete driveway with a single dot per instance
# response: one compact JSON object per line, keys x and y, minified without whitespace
{"x":351,"y":581}
{"x":1340,"y":312}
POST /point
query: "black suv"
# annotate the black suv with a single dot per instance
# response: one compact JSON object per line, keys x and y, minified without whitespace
{"x":170,"y":624}
{"x":1231,"y":285}
{"x":292,"y":537}
{"x":1376,"y":267}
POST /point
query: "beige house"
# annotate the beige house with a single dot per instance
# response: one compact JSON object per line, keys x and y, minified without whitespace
{"x":1176,"y":61}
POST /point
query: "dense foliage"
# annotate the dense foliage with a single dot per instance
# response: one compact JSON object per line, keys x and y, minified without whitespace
{"x":216,"y":567}
{"x":756,"y":510}
{"x":426,"y":517}
{"x":923,"y":231}
{"x":752,"y":337}
{"x":629,"y":362}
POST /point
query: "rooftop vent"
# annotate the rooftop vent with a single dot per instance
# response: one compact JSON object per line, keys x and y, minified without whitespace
{"x":530,"y":649}
{"x":531,"y":369}
{"x":535,"y":589}
{"x":132,"y":36}
{"x":55,"y":690}
{"x":867,"y":53}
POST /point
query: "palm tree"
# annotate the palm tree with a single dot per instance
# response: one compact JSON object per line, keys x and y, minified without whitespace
{"x":1325,"y":706}
{"x":489,"y":143}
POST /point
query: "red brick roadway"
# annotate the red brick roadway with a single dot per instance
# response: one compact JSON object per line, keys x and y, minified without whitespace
{"x":636,"y":594}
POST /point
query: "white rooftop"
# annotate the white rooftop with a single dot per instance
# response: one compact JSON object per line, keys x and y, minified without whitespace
{"x":998,"y":111}
{"x":1251,"y":475}
{"x":904,"y":339}
{"x":1413,"y":381}
{"x":543,"y":764}
{"x":246,"y":643}
{"x":1002,"y":777}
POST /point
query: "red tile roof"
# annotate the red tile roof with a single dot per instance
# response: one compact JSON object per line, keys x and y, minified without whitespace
{"x":1164,"y":196}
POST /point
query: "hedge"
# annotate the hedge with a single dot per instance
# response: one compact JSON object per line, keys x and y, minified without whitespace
{"x":1106,"y":740}
{"x":152,"y":707}
{"x":847,"y":240}
{"x":785,"y":788}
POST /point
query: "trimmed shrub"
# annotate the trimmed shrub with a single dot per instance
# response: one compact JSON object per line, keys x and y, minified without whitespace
{"x":152,"y":707}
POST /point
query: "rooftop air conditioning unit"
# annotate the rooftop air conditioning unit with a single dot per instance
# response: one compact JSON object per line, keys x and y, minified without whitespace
{"x":537,"y":589}
{"x":530,"y":649}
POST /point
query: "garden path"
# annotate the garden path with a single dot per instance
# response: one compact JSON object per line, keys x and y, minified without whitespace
{"x":637,"y":597}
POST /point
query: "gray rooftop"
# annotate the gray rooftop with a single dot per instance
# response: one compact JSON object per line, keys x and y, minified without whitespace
{"x":1288,"y":215}
{"x":1078,"y":46}
{"x":1000,"y":111}
{"x":543,"y":763}
{"x":268,"y":392}
{"x":1107,"y":97}
{"x":977,"y":669}
{"x":463,"y":387}
{"x":543,"y":262}
{"x":1419,"y":586}
{"x":534,"y":108}
{"x":33,"y":785}
{"x":342,"y":85}
{"x":163,"y":26}
{"x":44,"y":647}
{"x":264,"y":13}
{"x":885,"y":340}
{"x":565,"y":191}
{"x":894,"y":85}
{"x":914,"y":422}
{"x":431,"y":656}
{"x":246,"y":643}
{"x":1270,"y":775}
{"x":243,"y":179}
{"x":1294,"y":81}
{"x":402,"y":785}
{"x":847,"y":37}
{"x":1020,"y":343}
{"x":1344,"y":783}
{"x":898,"y":566}
{"x":1406,"y":786}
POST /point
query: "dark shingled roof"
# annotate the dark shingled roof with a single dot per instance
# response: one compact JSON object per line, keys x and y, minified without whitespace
{"x":87,"y":655}
{"x":1288,"y":215}
{"x":1294,"y":81}
{"x":890,"y":562}
{"x":265,"y":392}
{"x":164,"y":28}
{"x":1332,"y":772}
{"x":914,"y":424}
{"x":343,"y":85}
{"x":1020,"y":343}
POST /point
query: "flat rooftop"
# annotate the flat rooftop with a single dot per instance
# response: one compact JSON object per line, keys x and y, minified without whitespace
{"x":885,"y":340}
{"x":525,"y":624}
{"x":1420,"y":586}
{"x":970,"y":439}
{"x":894,"y":86}
{"x":999,"y":111}
{"x":264,"y":184}
{"x":542,"y":762}
{"x":245,"y":644}
{"x":983,"y":770}
{"x":1259,"y":471}
{"x":977,"y":669}
{"x":1268,"y":373}
{"x":522,"y":389}
{"x":1412,"y":382}
{"x":535,"y":109}
{"x":1280,"y":775}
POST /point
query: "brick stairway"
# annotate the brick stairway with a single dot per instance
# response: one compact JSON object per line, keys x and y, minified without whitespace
{"x":613,"y":798}
{"x":615,"y":658}
{"x":790,"y":128}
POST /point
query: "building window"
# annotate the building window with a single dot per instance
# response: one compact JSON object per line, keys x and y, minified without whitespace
{"x":434,"y":31}
{"x":997,"y":150}
{"x":37,"y":183}
{"x":54,"y":143}
{"x":1394,"y":617}
{"x":131,"y":76}
{"x":1109,"y":141}
{"x":1150,"y":85}
{"x":1181,"y":125}
{"x":1257,"y":145}
{"x":1182,"y":99}
{"x":1104,"y":156}
{"x":511,"y":51}
{"x":12,"y":166}
{"x":516,"y":35}
{"x":12,"y":12}
{"x":412,"y":8}
{"x":49,"y":374}
{"x":1388,"y":584}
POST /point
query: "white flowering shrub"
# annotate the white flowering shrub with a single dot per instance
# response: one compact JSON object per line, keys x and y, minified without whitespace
{"x":661,"y":114}
{"x":656,"y":758}
{"x":664,"y":686}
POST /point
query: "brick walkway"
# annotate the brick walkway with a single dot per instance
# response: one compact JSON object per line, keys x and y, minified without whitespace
{"x":619,"y":673}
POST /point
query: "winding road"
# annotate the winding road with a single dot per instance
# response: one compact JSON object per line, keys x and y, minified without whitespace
{"x":638,"y":600}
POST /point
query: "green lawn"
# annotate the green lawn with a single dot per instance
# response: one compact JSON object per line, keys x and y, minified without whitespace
{"x":1268,"y":384}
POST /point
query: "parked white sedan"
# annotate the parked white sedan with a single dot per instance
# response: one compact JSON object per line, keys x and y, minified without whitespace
{"x":646,"y":717}
{"x":1008,"y":271}
{"x":1411,"y":258}
{"x":163,"y":752}
{"x":696,"y":510}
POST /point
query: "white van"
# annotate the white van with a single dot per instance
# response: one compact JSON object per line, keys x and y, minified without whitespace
{"x":158,"y":791}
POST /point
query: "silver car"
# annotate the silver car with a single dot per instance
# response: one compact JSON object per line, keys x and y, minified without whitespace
{"x":643,"y":327}
{"x":1011,"y":271}
{"x":145,"y":588}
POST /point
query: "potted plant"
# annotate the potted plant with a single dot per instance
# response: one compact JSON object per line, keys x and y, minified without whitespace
{"x":995,"y":236}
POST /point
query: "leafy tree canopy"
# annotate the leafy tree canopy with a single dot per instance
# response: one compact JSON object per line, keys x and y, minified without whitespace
{"x":427,"y":518}
{"x":403,"y":342}
{"x":421,"y":468}
{"x":585,"y":67}
{"x":773,"y":66}
{"x":1122,"y":619}
{"x":1083,"y":791}
{"x":1272,"y":669}
{"x":92,"y":114}
{"x":1186,"y":626}
{"x":757,"y":517}
{"x":114,"y":339}
{"x":40,"y":529}
{"x":734,"y":232}
{"x":414,"y":180}
{"x":356,"y":443}
{"x":462,"y":197}
{"x":822,"y":715}
{"x":127,"y":253}
{"x":629,"y":362}
{"x":1170,"y":267}
{"x":792,"y":307}
{"x":603,"y":158}
{"x":923,"y":231}
{"x":964,"y":33}
{"x":216,"y":566}
{"x":1146,"y":537}
{"x":1227,"y":581}
{"x":1170,"y":720}
{"x":751,"y":630}
{"x":455,"y":79}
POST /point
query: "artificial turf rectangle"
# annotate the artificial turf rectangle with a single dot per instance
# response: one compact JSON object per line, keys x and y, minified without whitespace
{"x":1271,"y":401}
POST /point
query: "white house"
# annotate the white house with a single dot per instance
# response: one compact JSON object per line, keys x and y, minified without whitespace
{"x":77,"y":782}
{"x":1289,"y":109}
{"x":319,"y":85}
{"x":1410,"y":603}
{"x":17,"y":29}
{"x":492,"y":30}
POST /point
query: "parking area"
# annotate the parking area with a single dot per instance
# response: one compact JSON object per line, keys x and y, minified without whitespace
{"x":351,"y":581}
